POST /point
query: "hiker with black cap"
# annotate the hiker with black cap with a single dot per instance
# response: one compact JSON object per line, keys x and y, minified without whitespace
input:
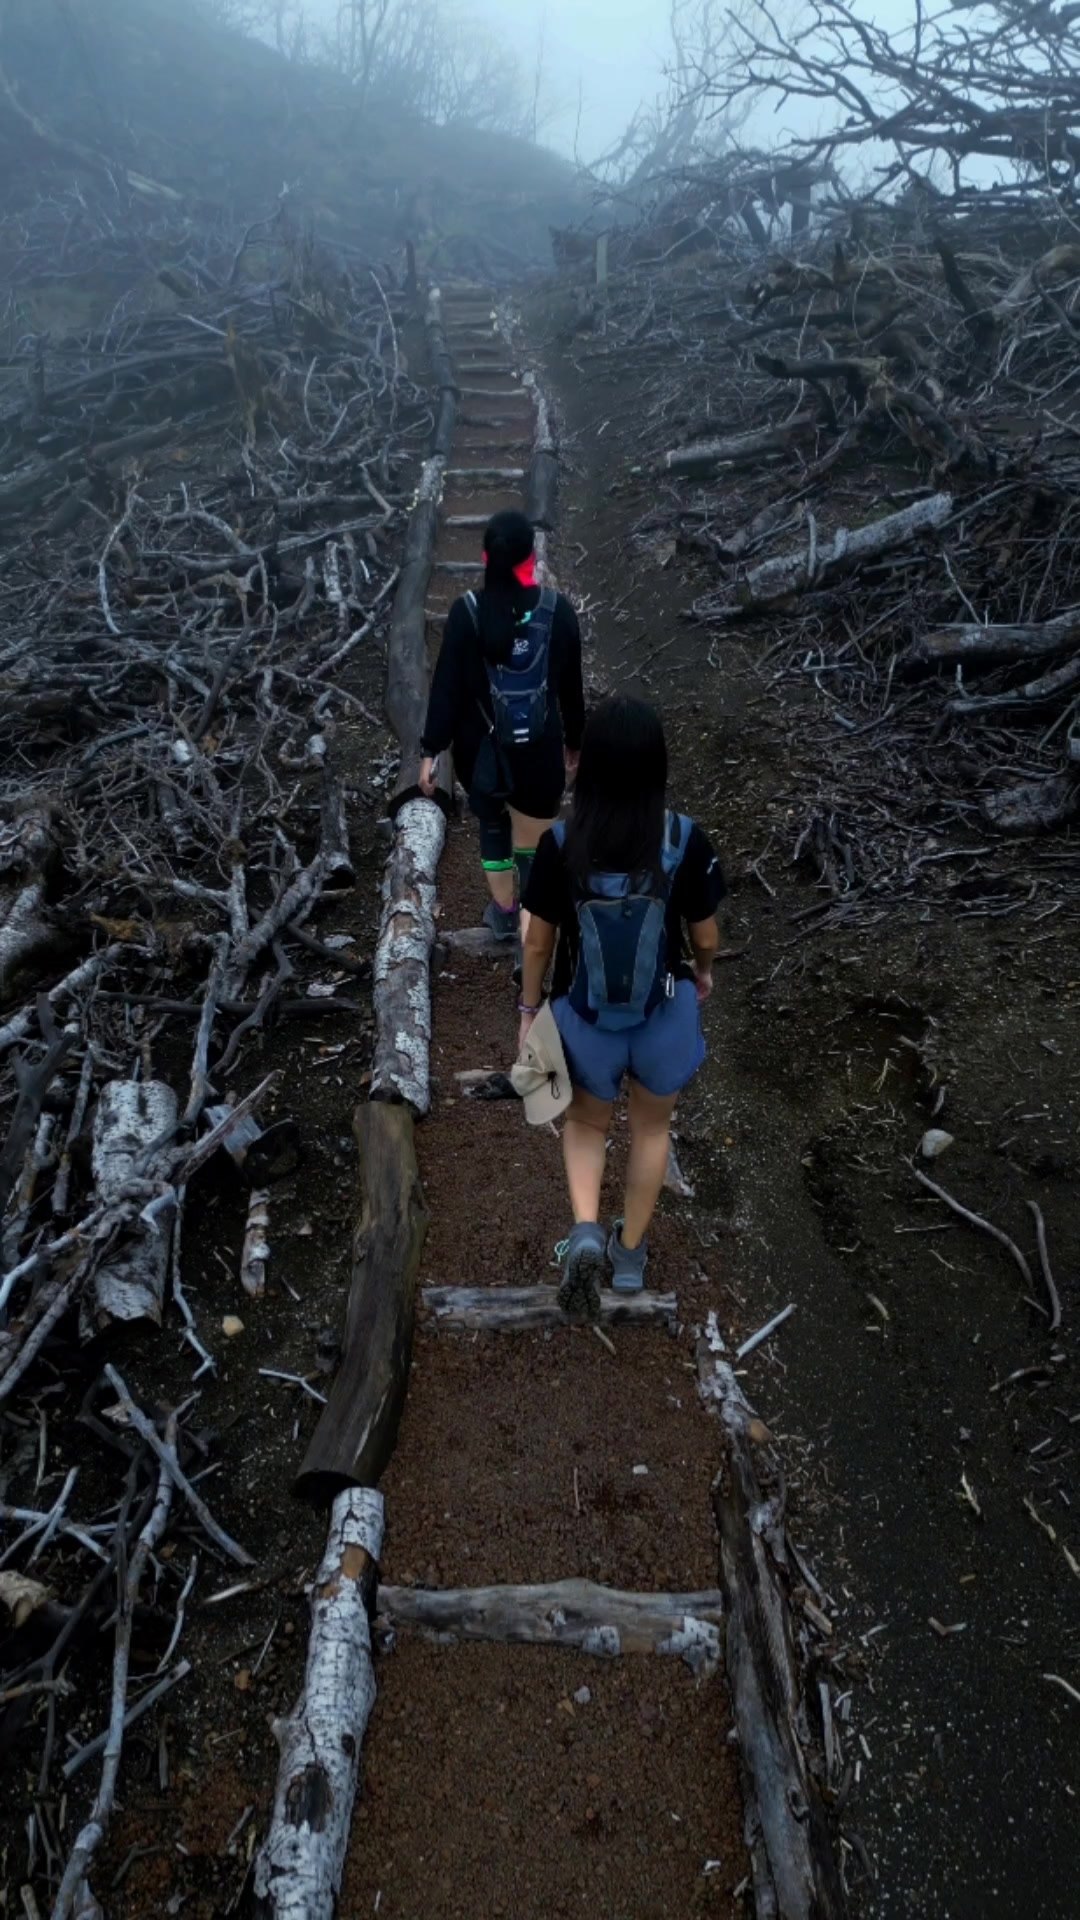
{"x":610,"y":893}
{"x":506,"y":695}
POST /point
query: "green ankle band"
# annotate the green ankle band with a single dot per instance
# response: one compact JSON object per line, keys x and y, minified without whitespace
{"x":497,"y":866}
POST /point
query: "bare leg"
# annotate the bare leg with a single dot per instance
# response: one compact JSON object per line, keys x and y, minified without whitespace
{"x":527,"y":833}
{"x":650,"y":1135}
{"x":585,"y":1151}
{"x":501,"y":885}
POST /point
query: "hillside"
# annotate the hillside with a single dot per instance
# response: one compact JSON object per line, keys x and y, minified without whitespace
{"x":150,"y":87}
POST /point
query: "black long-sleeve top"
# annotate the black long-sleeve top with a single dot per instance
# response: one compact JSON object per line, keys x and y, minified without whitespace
{"x":459,"y":708}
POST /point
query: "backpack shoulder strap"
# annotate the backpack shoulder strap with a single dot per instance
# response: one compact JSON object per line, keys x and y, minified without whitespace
{"x":677,"y":831}
{"x":474,"y":611}
{"x":558,"y":831}
{"x":542,"y":618}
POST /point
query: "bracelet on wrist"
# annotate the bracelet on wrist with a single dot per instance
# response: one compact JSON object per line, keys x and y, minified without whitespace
{"x":522,"y":1008}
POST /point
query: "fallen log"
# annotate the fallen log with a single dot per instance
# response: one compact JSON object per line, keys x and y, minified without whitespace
{"x":299,"y":1866}
{"x":542,"y":482}
{"x":569,"y":1613}
{"x":442,"y":368}
{"x":358,"y":1425}
{"x":706,"y":455}
{"x":25,"y":937}
{"x":335,"y":833}
{"x":1035,"y":806}
{"x":407,"y":677}
{"x":780,"y":1794}
{"x":401,"y":971}
{"x":1033,"y":693}
{"x":814,"y":566}
{"x":520,"y":1309}
{"x":130,"y":1283}
{"x":407,"y":667}
{"x":1000,"y":642}
{"x":256,"y":1249}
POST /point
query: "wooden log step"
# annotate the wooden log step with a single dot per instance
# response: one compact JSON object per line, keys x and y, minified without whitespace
{"x":490,"y":422}
{"x":467,"y":520}
{"x":569,"y":1613}
{"x":485,"y":476}
{"x":496,"y":393}
{"x":522,"y":1309}
{"x":459,"y":566}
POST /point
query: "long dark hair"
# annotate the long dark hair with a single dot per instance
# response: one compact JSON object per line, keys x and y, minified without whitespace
{"x":508,"y":541}
{"x":617,"y":821}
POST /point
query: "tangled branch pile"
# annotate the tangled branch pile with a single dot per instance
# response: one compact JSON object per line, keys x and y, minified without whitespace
{"x":872,"y":439}
{"x":201,"y":504}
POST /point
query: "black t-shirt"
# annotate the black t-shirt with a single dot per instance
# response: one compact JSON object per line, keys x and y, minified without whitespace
{"x":459,"y":707}
{"x":696,"y":891}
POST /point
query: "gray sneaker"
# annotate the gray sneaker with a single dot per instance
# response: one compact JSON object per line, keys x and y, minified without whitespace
{"x":627,"y":1264}
{"x":579,"y":1292}
{"x":503,"y":922}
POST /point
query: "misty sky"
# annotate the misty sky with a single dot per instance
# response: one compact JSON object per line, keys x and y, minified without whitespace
{"x":616,"y":50}
{"x":610,"y":56}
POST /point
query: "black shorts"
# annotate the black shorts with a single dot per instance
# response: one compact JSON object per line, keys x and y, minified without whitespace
{"x":539,"y":782}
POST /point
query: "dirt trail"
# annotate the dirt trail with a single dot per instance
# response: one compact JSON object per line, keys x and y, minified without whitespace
{"x":885,"y":1388}
{"x":557,"y":1783}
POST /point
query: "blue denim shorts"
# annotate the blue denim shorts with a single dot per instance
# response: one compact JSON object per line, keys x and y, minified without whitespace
{"x":662,"y":1055}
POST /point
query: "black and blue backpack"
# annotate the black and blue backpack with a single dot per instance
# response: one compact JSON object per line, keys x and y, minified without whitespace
{"x":519,"y":690}
{"x":622,"y":959}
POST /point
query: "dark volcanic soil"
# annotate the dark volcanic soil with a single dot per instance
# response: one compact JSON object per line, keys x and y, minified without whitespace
{"x":891,"y":1382}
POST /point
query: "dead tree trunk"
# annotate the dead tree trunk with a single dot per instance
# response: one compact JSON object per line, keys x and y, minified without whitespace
{"x":299,"y":1866}
{"x":356,"y":1433}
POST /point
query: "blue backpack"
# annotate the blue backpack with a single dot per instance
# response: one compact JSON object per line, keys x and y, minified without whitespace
{"x":519,"y":693}
{"x":623,"y":922}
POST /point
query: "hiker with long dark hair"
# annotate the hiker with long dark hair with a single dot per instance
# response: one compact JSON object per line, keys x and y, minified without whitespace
{"x":610,"y":893}
{"x":506,"y":695}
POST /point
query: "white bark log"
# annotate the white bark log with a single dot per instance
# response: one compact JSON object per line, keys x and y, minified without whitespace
{"x":131,"y":1115}
{"x":23,"y":934}
{"x":27,"y":844}
{"x":256,"y":1251}
{"x":402,"y":981}
{"x":791,"y":573}
{"x":299,"y":1866}
{"x":705,"y":455}
{"x":569,"y":1613}
{"x":520,"y":1309}
{"x":84,"y":976}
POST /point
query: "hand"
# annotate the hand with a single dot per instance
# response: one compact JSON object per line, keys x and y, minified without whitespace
{"x":702,"y":983}
{"x":571,"y":755}
{"x":523,"y":1030}
{"x":426,"y":780}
